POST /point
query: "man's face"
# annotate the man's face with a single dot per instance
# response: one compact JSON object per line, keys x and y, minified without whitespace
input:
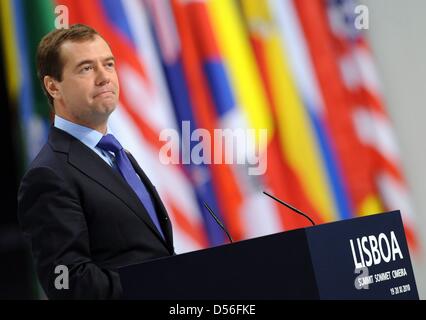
{"x":89,"y":90}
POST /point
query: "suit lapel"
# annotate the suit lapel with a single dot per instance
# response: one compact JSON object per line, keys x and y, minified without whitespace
{"x":88,"y":162}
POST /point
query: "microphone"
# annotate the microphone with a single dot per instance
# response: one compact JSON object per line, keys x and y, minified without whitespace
{"x":290,"y":207}
{"x":218,"y":221}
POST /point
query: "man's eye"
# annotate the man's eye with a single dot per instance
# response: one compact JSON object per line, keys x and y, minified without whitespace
{"x":111,"y":65}
{"x":86,"y":68}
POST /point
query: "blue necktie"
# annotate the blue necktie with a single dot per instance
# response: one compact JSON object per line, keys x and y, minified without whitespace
{"x":110,"y":143}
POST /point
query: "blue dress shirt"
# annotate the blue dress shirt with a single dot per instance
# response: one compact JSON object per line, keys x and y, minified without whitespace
{"x":86,"y":135}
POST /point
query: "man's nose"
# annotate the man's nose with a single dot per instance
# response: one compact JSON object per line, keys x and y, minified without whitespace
{"x":102,"y":76}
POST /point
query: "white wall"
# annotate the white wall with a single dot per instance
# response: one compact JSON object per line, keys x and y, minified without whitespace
{"x":397,"y":35}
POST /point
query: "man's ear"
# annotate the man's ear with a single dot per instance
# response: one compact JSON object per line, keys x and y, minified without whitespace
{"x":51,"y":86}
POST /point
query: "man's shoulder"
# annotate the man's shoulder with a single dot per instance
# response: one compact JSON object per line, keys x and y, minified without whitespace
{"x":46,"y":157}
{"x":51,"y":155}
{"x":45,"y":163}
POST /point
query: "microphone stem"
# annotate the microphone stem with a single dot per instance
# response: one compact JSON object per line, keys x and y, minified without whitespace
{"x":218,"y":221}
{"x":290,"y":207}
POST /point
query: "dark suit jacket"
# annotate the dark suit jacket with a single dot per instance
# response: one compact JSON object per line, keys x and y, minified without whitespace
{"x":79,"y":212}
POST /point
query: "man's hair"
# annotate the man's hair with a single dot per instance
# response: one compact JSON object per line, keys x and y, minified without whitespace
{"x":49,"y":62}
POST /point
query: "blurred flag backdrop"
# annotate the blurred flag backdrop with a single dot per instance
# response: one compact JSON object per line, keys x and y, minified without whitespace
{"x":298,"y":68}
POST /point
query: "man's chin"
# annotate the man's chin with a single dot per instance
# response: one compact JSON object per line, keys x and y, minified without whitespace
{"x":107,"y":108}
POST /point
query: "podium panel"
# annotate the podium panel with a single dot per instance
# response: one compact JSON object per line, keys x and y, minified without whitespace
{"x":361,"y":258}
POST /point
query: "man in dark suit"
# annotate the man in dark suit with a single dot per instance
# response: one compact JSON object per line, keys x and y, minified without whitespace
{"x":85,"y":203}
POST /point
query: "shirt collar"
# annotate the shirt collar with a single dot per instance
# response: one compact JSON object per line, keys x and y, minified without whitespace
{"x":86,"y":135}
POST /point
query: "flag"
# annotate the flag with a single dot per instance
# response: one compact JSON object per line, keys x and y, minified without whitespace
{"x":285,"y":106}
{"x":22,"y":31}
{"x":172,"y":57}
{"x":359,"y":127}
{"x":253,"y":214}
{"x":371,"y":122}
